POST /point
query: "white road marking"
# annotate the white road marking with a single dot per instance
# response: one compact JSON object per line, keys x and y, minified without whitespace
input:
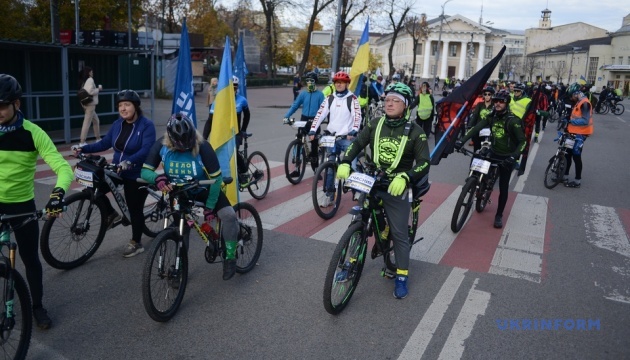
{"x":605,"y":230}
{"x":520,"y":183}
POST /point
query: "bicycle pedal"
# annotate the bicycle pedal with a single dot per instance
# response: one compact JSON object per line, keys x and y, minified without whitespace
{"x":417,"y":241}
{"x":387,"y":274}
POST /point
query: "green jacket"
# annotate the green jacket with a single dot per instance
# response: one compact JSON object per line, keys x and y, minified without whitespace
{"x":508,"y":138}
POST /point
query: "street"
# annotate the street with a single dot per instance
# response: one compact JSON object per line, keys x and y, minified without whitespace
{"x":553,"y":283}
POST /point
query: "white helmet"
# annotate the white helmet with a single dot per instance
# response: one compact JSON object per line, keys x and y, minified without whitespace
{"x":235,"y":80}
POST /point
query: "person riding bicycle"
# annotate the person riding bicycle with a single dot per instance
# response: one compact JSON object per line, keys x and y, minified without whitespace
{"x":579,"y":123}
{"x":21,"y":142}
{"x":242,"y":112}
{"x":310,"y":100}
{"x":401,"y":151}
{"x":602,"y":97}
{"x":131,"y":136}
{"x":508,"y":142}
{"x":183,"y":152}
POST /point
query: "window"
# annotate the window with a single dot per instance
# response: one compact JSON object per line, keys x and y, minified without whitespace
{"x":433,"y":49}
{"x":452,"y":50}
{"x":613,"y":61}
{"x":592,"y":69}
{"x":621,"y":60}
{"x":419,"y":49}
{"x":488,"y":54}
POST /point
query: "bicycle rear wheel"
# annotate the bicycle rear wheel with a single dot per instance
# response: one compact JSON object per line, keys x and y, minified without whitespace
{"x":165,"y":276}
{"x":260,"y":175}
{"x":464,"y":204}
{"x":326,"y":198}
{"x":295,"y":162}
{"x":555,"y":171}
{"x":250,"y":237}
{"x":617,"y":109}
{"x":156,"y":207}
{"x":344,"y":270}
{"x":69,"y":241}
{"x":16,"y":339}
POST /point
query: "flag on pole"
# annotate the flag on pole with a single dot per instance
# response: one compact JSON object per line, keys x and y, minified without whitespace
{"x":240,"y":68}
{"x":184,"y":94}
{"x":456,"y":107}
{"x":529,"y":120}
{"x":361,"y":60}
{"x":582,"y":80}
{"x":224,"y":125}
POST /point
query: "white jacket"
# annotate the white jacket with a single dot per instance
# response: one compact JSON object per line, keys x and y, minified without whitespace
{"x":91,"y":88}
{"x":342,"y":120}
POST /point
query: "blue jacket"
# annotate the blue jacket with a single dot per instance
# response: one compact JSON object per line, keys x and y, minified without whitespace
{"x":136,"y":148}
{"x":310,"y":102}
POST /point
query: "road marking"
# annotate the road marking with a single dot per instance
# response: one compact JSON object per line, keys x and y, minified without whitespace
{"x":475,"y":306}
{"x":520,"y":183}
{"x":605,"y":230}
{"x":419,"y":340}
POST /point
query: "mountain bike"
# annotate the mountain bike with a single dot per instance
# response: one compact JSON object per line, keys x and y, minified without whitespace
{"x":479,"y":184}
{"x":165,"y":274}
{"x":297,"y":154}
{"x":368,"y":219}
{"x":554,"y":173}
{"x":560,"y":111}
{"x":375,"y":110}
{"x":69,"y":241}
{"x":16,"y":319}
{"x":258,"y":171}
{"x":613,"y":105}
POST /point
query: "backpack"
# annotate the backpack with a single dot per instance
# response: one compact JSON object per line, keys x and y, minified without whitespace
{"x":332,"y":97}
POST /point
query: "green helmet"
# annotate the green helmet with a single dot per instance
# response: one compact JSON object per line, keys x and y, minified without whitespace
{"x":401,"y":89}
{"x":573,"y":88}
{"x":373,"y":77}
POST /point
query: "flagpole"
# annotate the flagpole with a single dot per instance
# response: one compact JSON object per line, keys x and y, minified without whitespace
{"x":337,"y":33}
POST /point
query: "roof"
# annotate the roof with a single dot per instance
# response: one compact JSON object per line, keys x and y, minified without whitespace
{"x":582,"y":44}
{"x":21,"y":44}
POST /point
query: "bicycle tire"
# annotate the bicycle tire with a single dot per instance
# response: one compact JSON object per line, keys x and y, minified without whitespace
{"x":605,"y":108}
{"x":64,"y":247}
{"x":293,"y":162}
{"x":553,"y":116}
{"x":336,"y":293}
{"x":161,"y":278}
{"x":618,"y":109}
{"x":555,"y":171}
{"x":322,"y":190}
{"x":156,"y":209}
{"x":260,"y":173}
{"x":15,"y":342}
{"x":482,"y":197}
{"x":250,"y":238}
{"x":464,"y":204}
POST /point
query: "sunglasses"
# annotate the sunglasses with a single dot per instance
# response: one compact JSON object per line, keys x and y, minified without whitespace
{"x":498,"y":101}
{"x":487,"y":94}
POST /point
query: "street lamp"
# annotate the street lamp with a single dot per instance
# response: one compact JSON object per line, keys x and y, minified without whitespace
{"x":437,"y":51}
{"x":572,"y":54}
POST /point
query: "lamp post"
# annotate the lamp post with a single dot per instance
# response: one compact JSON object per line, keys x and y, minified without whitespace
{"x":437,"y":51}
{"x":571,"y":66}
{"x":76,"y":21}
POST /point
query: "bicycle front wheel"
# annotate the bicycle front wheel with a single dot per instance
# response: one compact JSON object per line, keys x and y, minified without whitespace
{"x":326,"y":191}
{"x":295,"y":162}
{"x":250,"y":237}
{"x":70,"y":240}
{"x":165,"y":275}
{"x":156,"y":208}
{"x":617,"y":109}
{"x":483,"y":196}
{"x":464,"y":204}
{"x":555,"y":171}
{"x":553,"y":116}
{"x":260,"y":175}
{"x":344,"y":270}
{"x":16,"y":331}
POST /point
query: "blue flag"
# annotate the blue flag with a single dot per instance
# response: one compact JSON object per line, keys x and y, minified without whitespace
{"x":184,"y":94}
{"x":240,"y":68}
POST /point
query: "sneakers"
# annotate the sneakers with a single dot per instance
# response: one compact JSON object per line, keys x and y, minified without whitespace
{"x":400,"y":287}
{"x":82,"y":144}
{"x":112,"y":218}
{"x":498,"y":221}
{"x":41,"y":318}
{"x":535,"y":139}
{"x":133,"y":249}
{"x":572,"y":184}
{"x":328,"y":201}
{"x":229,"y":269}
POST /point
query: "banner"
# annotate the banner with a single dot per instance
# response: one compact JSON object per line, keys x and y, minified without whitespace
{"x":183,"y":93}
{"x":361,"y":60}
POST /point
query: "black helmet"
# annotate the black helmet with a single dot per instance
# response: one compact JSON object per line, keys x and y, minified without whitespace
{"x":310,"y":76}
{"x":520,"y":87}
{"x":10,"y":89}
{"x":502,"y":95}
{"x":489,"y":89}
{"x":181,"y":131}
{"x":128,"y":95}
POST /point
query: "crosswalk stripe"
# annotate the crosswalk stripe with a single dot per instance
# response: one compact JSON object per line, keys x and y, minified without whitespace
{"x":605,"y":230}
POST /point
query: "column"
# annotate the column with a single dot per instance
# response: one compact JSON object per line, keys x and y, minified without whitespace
{"x":443,"y":66}
{"x":461,"y":69}
{"x":427,"y":60}
{"x":481,"y":55}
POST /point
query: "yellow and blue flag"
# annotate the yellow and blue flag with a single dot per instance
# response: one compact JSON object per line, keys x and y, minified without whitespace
{"x":361,"y":60}
{"x":184,"y":94}
{"x":240,"y":68}
{"x":225,"y":124}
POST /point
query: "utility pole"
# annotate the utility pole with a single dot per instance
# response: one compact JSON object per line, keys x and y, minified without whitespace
{"x":337,"y":33}
{"x":437,"y":51}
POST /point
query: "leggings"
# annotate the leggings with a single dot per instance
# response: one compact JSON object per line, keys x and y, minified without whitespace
{"x":504,"y":183}
{"x":578,"y":164}
{"x":135,"y":197}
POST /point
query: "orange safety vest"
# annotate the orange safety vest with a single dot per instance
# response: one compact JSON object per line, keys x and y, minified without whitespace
{"x":577,"y":113}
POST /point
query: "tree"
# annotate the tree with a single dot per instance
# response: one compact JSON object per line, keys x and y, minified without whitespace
{"x":318,"y":7}
{"x":529,"y":66}
{"x":510,"y":64}
{"x":376,"y":61}
{"x":317,"y":55}
{"x":203,"y":19}
{"x":559,"y":69}
{"x":418,"y":29}
{"x":350,"y":10}
{"x":396,"y":26}
{"x":284,"y":57}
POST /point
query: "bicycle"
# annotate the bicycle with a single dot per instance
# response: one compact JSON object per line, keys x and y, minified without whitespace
{"x":165,"y":273}
{"x":368,"y":219}
{"x":69,"y":241}
{"x":483,"y":174}
{"x":16,"y":319}
{"x":375,"y":110}
{"x":297,"y":154}
{"x":258,"y":171}
{"x":560,"y":111}
{"x":554,"y":173}
{"x":613,"y":105}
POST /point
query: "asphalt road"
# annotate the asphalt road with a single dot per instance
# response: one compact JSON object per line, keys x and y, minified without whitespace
{"x":552,"y":284}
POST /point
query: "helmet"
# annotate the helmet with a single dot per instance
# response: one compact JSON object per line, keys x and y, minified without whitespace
{"x":10,"y":89}
{"x":396,"y":77}
{"x":373,"y":77}
{"x":310,"y":76}
{"x":181,"y":131}
{"x":401,"y":89}
{"x":502,"y":95}
{"x":128,"y":95}
{"x":573,"y":88}
{"x":341,"y":76}
{"x":489,"y":89}
{"x":235,"y":80}
{"x":520,"y":87}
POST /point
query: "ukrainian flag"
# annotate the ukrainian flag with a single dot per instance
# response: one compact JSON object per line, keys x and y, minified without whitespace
{"x":361,"y":60}
{"x":225,"y":125}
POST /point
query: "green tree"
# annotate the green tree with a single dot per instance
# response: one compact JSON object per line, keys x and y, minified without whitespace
{"x":284,"y":57}
{"x":18,"y":26}
{"x":203,"y":19}
{"x":317,"y":55}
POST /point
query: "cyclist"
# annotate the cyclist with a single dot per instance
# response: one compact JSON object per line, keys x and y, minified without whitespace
{"x":580,"y":123}
{"x":396,"y":143}
{"x":242,"y":112}
{"x":21,"y":142}
{"x":183,"y":152}
{"x":508,"y":142}
{"x":310,"y":100}
{"x":542,"y":110}
{"x":131,"y":136}
{"x":480,"y":112}
{"x":426,"y":108}
{"x":602,"y":97}
{"x":375,"y":90}
{"x":520,"y":101}
{"x":345,"y":116}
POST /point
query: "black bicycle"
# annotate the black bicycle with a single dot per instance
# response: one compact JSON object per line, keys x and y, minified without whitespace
{"x":554,"y":173}
{"x":560,"y":111}
{"x":69,"y":241}
{"x":297,"y":154}
{"x":258,"y":171}
{"x":165,"y":274}
{"x":16,"y":318}
{"x":368,"y":219}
